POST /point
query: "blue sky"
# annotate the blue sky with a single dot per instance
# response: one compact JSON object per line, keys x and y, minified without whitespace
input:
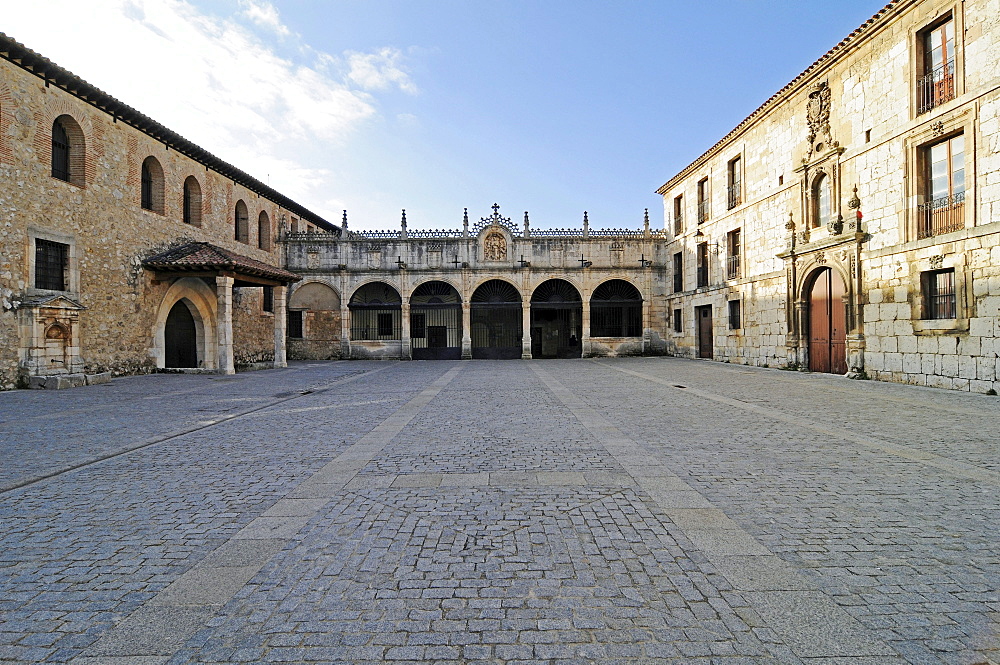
{"x":553,"y":107}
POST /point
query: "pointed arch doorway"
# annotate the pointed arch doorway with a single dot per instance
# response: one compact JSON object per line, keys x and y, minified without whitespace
{"x":827,"y":323}
{"x":180,"y":338}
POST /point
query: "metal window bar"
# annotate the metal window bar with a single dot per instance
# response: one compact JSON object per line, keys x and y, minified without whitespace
{"x":146,"y":187}
{"x":941,"y":215}
{"x":734,"y":195}
{"x":941,"y":295}
{"x":295,"y":324}
{"x":678,"y":223}
{"x":616,"y":320}
{"x":702,"y":212}
{"x":936,"y":87}
{"x":733,"y":266}
{"x":703,"y":264}
{"x":51,"y":259}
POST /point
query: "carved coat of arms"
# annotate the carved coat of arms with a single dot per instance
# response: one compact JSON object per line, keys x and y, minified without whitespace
{"x":495,"y":246}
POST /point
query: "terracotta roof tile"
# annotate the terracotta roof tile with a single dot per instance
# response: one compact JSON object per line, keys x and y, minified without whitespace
{"x":206,"y":256}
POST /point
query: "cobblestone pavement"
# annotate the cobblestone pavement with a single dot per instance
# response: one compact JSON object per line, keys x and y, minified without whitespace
{"x":546,"y":512}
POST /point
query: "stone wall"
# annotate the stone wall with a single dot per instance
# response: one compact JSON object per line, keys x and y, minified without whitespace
{"x":108,"y":231}
{"x":875,"y":141}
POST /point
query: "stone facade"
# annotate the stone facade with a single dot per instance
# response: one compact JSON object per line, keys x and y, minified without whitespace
{"x":559,"y":271}
{"x":866,"y":196}
{"x":104,"y":312}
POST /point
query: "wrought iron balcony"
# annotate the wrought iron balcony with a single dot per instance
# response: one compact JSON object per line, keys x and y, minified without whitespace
{"x":678,"y":224}
{"x":733,"y":266}
{"x":941,"y":215}
{"x":936,"y":87}
{"x":703,"y":209}
{"x":735,"y":195}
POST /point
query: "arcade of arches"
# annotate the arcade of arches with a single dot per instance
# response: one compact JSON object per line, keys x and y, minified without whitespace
{"x":435,"y":321}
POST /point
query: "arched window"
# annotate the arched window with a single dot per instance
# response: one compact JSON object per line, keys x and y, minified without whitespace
{"x":151,"y":188}
{"x":264,"y":232}
{"x":192,"y":201}
{"x":242,"y":222}
{"x":821,"y":196}
{"x":67,"y":150}
{"x":376,"y":312}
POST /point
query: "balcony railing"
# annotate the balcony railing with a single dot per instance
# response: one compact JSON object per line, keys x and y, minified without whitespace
{"x":702,"y":212}
{"x":941,"y":215}
{"x":678,"y":224}
{"x":936,"y":87}
{"x":734,"y":196}
{"x":733,"y":267}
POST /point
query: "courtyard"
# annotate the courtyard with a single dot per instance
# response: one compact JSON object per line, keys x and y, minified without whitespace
{"x":647,"y":510}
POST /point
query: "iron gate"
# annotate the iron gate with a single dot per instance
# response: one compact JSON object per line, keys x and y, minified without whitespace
{"x":496,"y":321}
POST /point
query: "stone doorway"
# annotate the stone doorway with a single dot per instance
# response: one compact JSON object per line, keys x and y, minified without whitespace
{"x":180,"y":337}
{"x":827,"y":323}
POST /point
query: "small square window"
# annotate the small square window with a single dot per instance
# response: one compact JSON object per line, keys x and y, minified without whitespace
{"x":939,"y":294}
{"x":51,"y":263}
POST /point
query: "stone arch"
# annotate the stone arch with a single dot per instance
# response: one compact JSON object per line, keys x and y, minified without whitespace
{"x":436,"y":321}
{"x":496,"y":318}
{"x":616,"y":309}
{"x":201,"y":301}
{"x":151,"y":185}
{"x":376,"y":312}
{"x":314,"y":321}
{"x":556,"y":320}
{"x":68,"y":148}
{"x":482,"y":282}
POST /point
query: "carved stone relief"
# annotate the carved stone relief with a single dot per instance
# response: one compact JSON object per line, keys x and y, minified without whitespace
{"x":495,"y":246}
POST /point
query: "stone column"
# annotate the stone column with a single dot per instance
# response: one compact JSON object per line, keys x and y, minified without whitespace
{"x":466,"y":331}
{"x":647,"y":308}
{"x":585,"y":329}
{"x":345,"y":322}
{"x":526,"y":329}
{"x":224,"y":300}
{"x":280,"y":325}
{"x":405,"y":352}
{"x":802,"y":338}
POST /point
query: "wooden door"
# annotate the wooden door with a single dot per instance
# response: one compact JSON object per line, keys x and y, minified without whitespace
{"x":827,"y":324}
{"x":704,"y":316}
{"x":180,"y":338}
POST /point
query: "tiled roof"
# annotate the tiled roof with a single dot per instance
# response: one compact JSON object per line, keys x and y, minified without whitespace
{"x":200,"y":256}
{"x":45,"y":69}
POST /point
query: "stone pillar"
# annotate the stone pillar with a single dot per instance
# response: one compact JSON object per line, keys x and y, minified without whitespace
{"x":585,"y":330}
{"x":405,"y":352}
{"x":801,"y":340}
{"x":466,"y":331}
{"x":280,"y":325}
{"x":224,"y":300}
{"x":526,"y":330}
{"x":647,"y":321}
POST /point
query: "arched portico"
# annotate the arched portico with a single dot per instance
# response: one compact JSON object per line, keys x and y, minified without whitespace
{"x":436,"y":322}
{"x":376,"y":311}
{"x":556,"y":320}
{"x":496,"y":320}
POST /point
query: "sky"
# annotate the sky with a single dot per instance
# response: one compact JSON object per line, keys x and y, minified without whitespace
{"x":554,"y":107}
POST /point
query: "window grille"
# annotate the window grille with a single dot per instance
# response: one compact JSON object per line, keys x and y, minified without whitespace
{"x":943,"y":209}
{"x":733,"y":255}
{"x":939,"y":294}
{"x":51,"y":262}
{"x":295,"y":324}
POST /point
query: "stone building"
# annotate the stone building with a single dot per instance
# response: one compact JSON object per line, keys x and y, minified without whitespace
{"x":850,"y":224}
{"x":495,"y":290}
{"x":124,"y":247}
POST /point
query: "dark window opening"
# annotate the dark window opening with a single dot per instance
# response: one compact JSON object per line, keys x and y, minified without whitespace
{"x":678,"y":215}
{"x":267,"y":301}
{"x":678,"y":272}
{"x":418,"y":326}
{"x":385,"y":325}
{"x":703,"y":202}
{"x":936,"y":84}
{"x":733,"y":252}
{"x":677,"y":320}
{"x":734,"y":315}
{"x":703,"y":264}
{"x":734,"y":178}
{"x":147,"y":187}
{"x":51,"y":263}
{"x":295,"y":324}
{"x":60,"y":152}
{"x":939,"y":294}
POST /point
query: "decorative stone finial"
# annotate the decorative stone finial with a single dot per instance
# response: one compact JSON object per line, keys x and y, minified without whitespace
{"x":790,"y":224}
{"x":344,"y":223}
{"x":855,"y":201}
{"x":403,"y":221}
{"x":527,"y":227}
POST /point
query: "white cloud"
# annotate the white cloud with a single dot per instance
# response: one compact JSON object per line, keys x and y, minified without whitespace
{"x":380,"y":70}
{"x":265,"y":15}
{"x":214,"y":81}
